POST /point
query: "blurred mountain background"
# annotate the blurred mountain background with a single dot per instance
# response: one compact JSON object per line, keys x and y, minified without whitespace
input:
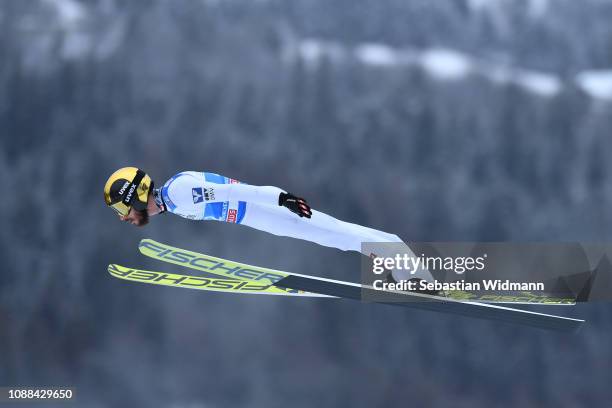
{"x":436,"y":120}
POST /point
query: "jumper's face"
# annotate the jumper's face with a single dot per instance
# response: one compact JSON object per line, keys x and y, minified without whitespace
{"x":137,"y":218}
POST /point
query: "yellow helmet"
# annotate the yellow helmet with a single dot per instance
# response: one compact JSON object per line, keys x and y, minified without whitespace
{"x":126,"y":188}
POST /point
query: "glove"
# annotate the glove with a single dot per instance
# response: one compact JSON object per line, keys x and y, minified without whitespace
{"x":294,"y":204}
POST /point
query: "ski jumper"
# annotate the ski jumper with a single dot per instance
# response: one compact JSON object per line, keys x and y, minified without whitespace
{"x":209,"y":196}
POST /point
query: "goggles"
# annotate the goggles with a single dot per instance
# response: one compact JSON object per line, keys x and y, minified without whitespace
{"x":121,"y":208}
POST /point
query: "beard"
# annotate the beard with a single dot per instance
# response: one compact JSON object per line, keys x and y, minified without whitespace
{"x":142,"y":218}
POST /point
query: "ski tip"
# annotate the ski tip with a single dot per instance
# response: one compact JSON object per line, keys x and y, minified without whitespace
{"x":144,"y":243}
{"x":149,"y":243}
{"x":116,"y":270}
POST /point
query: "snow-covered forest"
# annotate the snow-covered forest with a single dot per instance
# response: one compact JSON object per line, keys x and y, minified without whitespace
{"x":443,"y":120}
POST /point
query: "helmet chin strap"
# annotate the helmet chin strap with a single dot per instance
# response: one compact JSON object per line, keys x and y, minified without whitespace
{"x":131,"y":191}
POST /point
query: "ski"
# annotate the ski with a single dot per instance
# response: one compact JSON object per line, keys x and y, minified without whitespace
{"x":201,"y":283}
{"x":230,"y":269}
{"x":304,"y":285}
{"x":299,"y":285}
